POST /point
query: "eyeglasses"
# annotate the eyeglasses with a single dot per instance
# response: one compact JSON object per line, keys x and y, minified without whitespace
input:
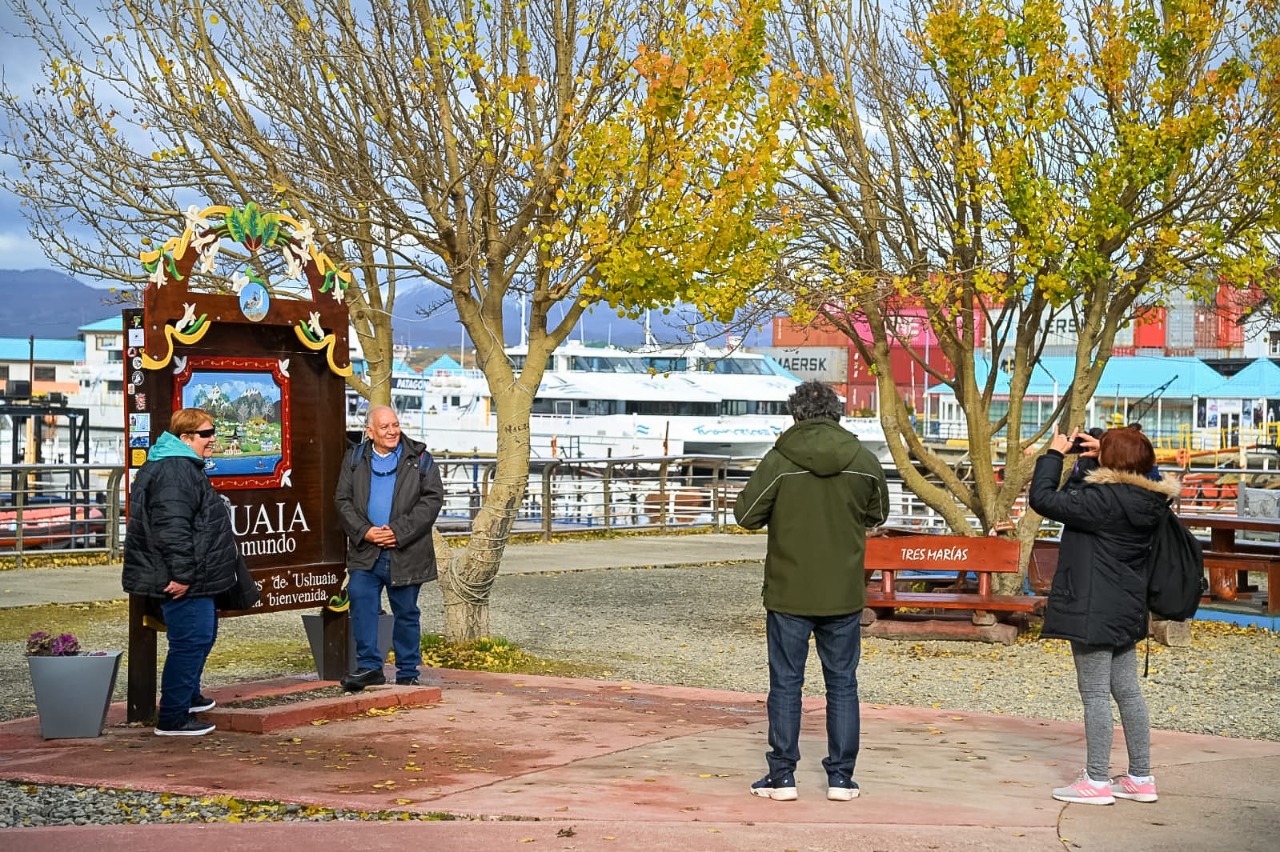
{"x":205,"y":433}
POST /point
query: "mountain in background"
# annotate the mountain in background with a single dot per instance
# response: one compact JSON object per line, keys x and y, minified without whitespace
{"x":51,"y":304}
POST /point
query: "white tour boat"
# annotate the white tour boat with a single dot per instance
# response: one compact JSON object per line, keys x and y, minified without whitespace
{"x":599,"y":401}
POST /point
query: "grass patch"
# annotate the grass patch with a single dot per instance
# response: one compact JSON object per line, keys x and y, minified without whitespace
{"x":282,"y":656}
{"x":495,"y":654}
{"x":104,"y":626}
{"x":85,"y":620}
{"x":54,"y":559}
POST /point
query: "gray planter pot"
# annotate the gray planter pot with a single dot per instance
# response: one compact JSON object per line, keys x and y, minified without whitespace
{"x":315,"y":638}
{"x":73,"y":693}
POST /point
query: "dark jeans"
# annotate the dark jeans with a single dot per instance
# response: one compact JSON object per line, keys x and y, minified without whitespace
{"x":839,"y":642}
{"x":192,"y":627}
{"x":364,"y":589}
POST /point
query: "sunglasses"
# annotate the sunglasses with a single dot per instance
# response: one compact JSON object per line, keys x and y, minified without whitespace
{"x":205,"y":433}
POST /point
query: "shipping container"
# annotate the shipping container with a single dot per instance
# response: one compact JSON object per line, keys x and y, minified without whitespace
{"x":860,"y":398}
{"x":1149,"y":329}
{"x":787,"y":333}
{"x":1180,"y":325}
{"x":828,"y":364}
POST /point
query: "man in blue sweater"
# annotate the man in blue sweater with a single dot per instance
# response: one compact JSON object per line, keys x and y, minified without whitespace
{"x":389,"y":494}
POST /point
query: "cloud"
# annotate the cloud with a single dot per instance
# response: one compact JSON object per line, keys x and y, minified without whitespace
{"x":20,"y":70}
{"x":18,"y":250}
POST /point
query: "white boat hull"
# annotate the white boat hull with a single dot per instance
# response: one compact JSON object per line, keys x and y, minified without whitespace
{"x":619,"y":435}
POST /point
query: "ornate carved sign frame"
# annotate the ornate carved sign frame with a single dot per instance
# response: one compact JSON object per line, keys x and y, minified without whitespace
{"x":262,"y":346}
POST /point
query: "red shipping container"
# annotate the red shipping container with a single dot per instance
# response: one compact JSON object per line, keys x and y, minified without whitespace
{"x":860,"y":397}
{"x":1232,"y":304}
{"x":1149,"y":329}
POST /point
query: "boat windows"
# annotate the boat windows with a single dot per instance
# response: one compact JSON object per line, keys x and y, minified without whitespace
{"x":737,"y":367}
{"x":674,"y":408}
{"x":605,"y":364}
{"x":734,"y":407}
{"x":666,"y":364}
{"x":576,"y":407}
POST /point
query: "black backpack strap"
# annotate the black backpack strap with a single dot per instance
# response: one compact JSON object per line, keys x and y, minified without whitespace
{"x":357,"y":453}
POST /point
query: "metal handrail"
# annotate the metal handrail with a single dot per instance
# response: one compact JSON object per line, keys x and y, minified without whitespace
{"x":562,"y":496}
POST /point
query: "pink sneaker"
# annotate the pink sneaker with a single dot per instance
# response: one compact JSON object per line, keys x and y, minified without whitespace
{"x":1124,"y":787}
{"x":1086,"y":792}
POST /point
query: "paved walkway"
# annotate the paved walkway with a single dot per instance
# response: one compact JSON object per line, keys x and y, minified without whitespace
{"x":551,"y":763}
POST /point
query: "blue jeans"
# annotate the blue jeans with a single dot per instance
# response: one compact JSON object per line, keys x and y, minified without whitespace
{"x":839,"y":642}
{"x":192,"y":627}
{"x":364,"y":590}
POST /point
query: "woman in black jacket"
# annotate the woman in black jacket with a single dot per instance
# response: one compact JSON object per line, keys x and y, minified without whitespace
{"x":1098,"y":601}
{"x":179,"y":547}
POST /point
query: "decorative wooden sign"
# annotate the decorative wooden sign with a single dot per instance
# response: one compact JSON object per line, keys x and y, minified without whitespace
{"x":266,"y":355}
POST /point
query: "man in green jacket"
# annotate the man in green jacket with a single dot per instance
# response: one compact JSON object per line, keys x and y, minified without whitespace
{"x":818,"y":491}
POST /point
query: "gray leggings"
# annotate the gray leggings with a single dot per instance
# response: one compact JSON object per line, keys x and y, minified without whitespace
{"x":1103,"y":672}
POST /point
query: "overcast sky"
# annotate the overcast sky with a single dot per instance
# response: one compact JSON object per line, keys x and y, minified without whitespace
{"x":20,"y":66}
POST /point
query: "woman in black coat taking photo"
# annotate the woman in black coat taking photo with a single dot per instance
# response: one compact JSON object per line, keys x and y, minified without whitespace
{"x":1098,"y":601}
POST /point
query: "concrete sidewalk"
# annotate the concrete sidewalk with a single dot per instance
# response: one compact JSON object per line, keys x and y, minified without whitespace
{"x":560,"y":763}
{"x":574,"y":764}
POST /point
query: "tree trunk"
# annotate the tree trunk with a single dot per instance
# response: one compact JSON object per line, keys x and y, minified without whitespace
{"x":467,"y":580}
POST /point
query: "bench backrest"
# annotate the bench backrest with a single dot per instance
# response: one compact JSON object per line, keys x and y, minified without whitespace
{"x":942,"y":553}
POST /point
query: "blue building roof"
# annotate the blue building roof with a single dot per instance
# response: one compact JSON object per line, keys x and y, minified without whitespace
{"x":115,"y":323}
{"x":1259,"y":379}
{"x":443,"y":364}
{"x":19,"y":349}
{"x":1126,"y":377}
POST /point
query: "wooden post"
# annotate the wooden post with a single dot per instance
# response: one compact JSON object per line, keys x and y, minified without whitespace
{"x":141,"y":692}
{"x":332,"y":663}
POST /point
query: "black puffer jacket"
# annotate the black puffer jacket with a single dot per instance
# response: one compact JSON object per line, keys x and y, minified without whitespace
{"x":1099,"y":592}
{"x":179,"y":528}
{"x":415,"y":503}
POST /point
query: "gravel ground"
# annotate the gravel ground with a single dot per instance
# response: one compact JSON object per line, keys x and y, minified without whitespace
{"x":704,"y":627}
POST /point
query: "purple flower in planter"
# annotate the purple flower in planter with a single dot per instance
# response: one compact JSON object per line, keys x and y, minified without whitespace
{"x":64,"y":645}
{"x":42,"y":644}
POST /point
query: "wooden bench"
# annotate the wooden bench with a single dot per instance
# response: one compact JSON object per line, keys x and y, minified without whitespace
{"x":981,"y":556}
{"x":1229,"y":573}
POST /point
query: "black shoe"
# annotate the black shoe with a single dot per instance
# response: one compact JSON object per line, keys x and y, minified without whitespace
{"x":202,"y":703}
{"x":408,"y":681}
{"x":357,"y":681}
{"x":192,"y":727}
{"x":780,"y":789}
